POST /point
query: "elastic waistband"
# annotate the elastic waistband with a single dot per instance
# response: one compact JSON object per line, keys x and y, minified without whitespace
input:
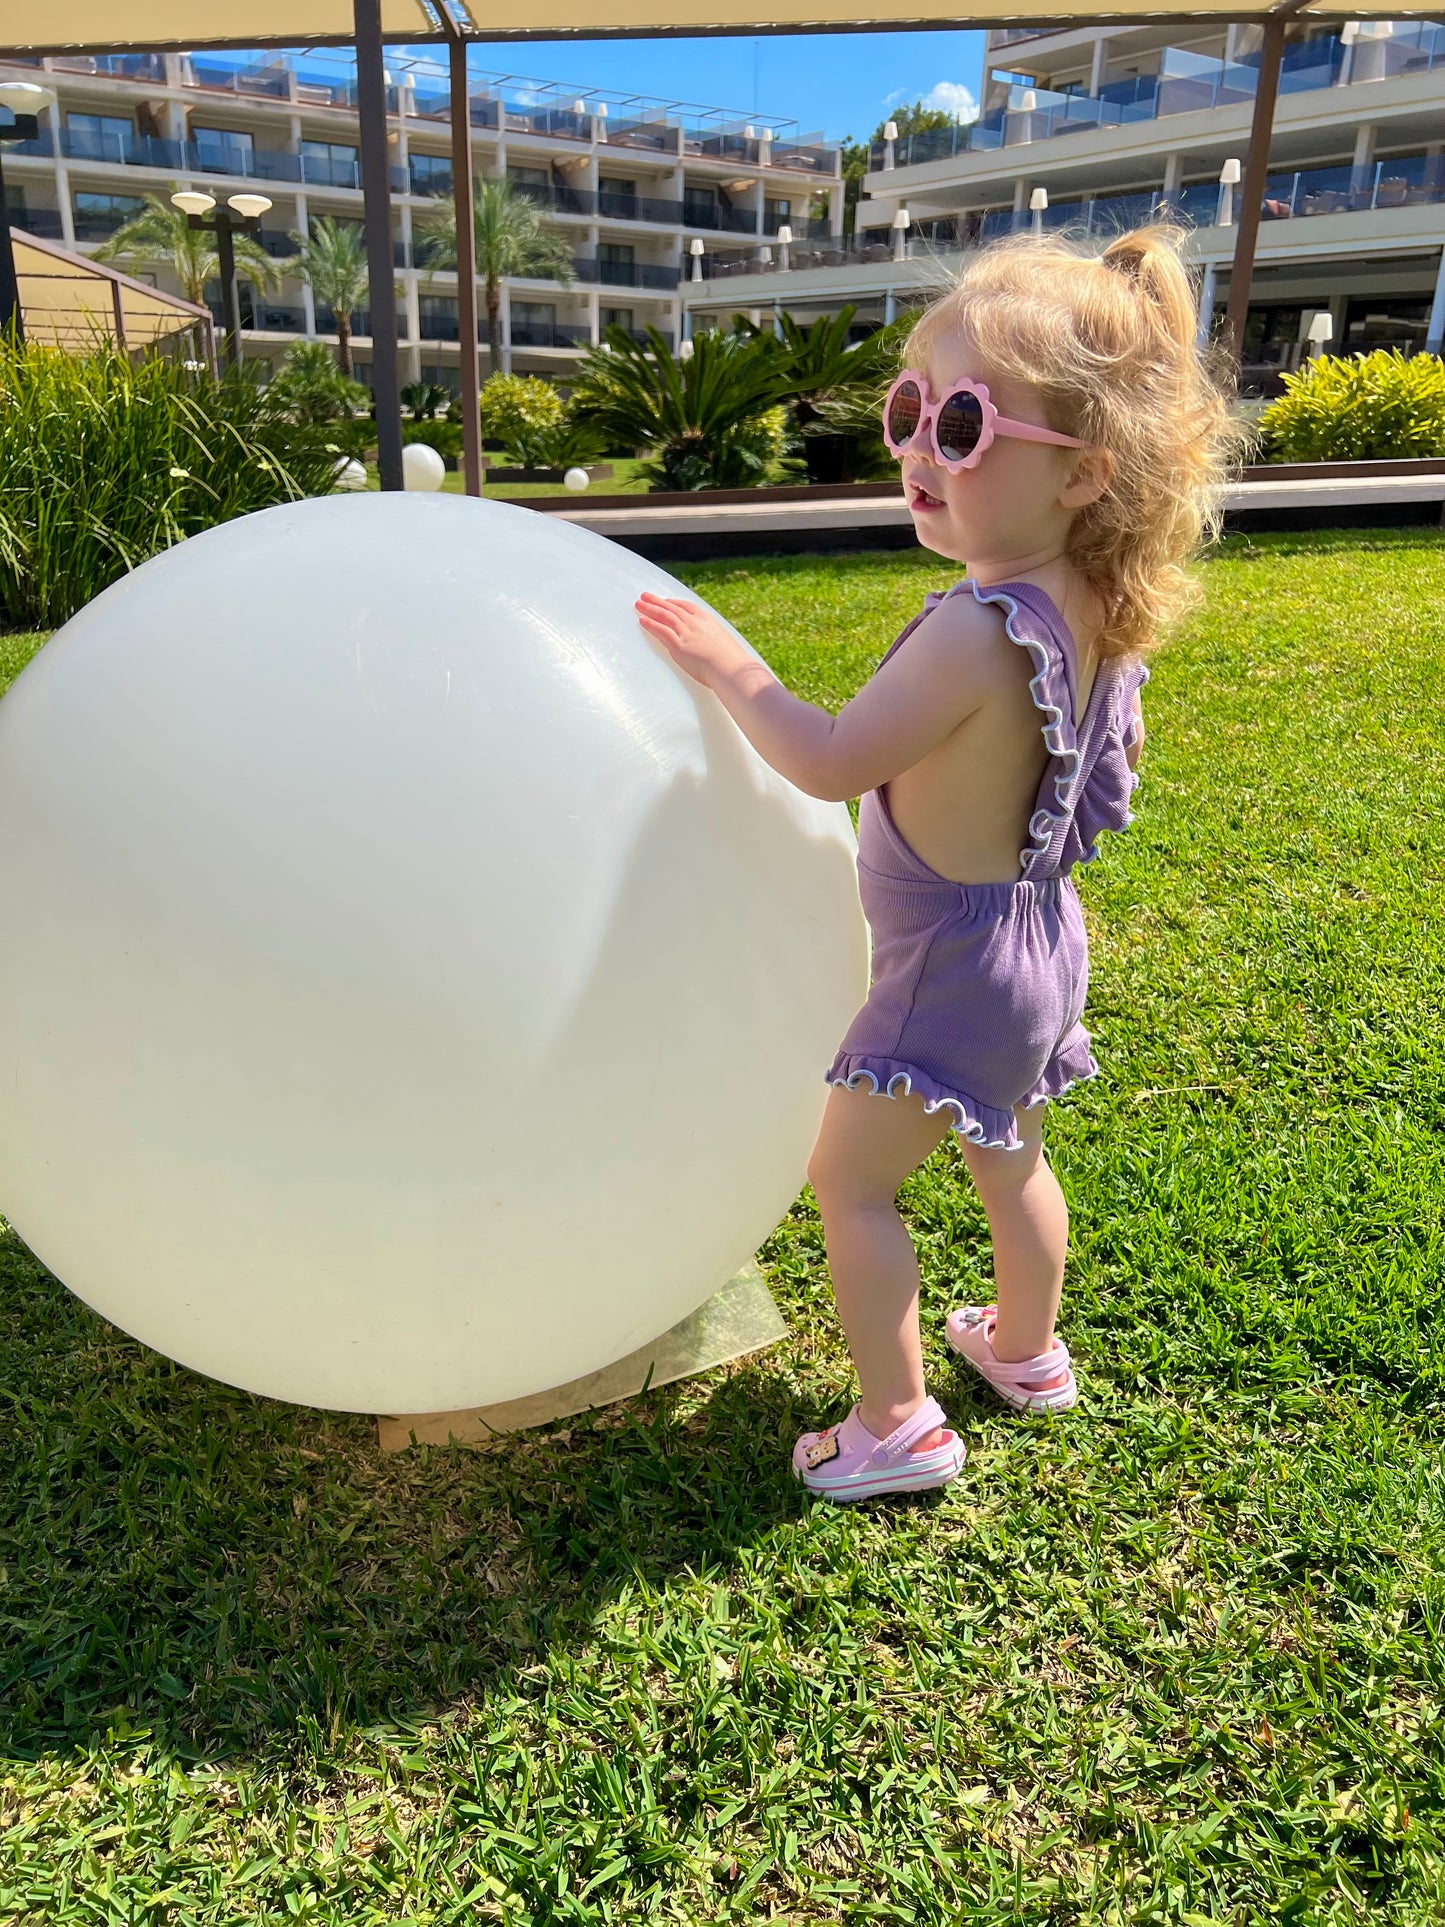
{"x":920,"y":900}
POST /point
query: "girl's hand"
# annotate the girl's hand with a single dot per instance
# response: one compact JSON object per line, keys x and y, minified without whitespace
{"x":695,"y":638}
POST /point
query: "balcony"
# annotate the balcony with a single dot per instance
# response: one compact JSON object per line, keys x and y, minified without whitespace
{"x":1186,"y":83}
{"x":557,"y":123}
{"x":625,"y":274}
{"x":639,"y":207}
{"x":280,"y":321}
{"x":557,"y":197}
{"x":269,"y":81}
{"x":557,"y":334}
{"x":45,"y":221}
{"x":803,"y":158}
{"x":116,"y":66}
{"x":719,"y":220}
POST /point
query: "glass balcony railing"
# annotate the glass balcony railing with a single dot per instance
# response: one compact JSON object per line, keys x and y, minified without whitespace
{"x":626,"y":274}
{"x":45,"y":221}
{"x":1185,"y":83}
{"x":554,"y":334}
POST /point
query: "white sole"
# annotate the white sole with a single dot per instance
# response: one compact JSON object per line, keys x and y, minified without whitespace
{"x":884,"y":1483}
{"x":1061,"y":1400}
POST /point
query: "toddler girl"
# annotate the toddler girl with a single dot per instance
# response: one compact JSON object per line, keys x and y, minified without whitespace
{"x":1060,"y":433}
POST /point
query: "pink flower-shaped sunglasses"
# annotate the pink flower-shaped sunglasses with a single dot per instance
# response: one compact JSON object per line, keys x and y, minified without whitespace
{"x":958,"y":427}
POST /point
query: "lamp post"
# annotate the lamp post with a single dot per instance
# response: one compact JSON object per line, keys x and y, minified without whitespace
{"x":1228,"y":181}
{"x":241,"y":215}
{"x":1322,"y":328}
{"x":890,"y":145}
{"x":900,"y":233}
{"x":26,"y":103}
{"x":694,"y":248}
{"x":1038,"y":201}
{"x":785,"y":241}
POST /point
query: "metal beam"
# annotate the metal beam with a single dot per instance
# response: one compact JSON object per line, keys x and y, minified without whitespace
{"x":463,"y":194}
{"x":380,"y":253}
{"x":1256,"y":173}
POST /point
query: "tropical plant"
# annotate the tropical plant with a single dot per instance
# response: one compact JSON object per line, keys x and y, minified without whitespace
{"x":697,"y":414}
{"x":312,"y":389}
{"x":1383,"y":406}
{"x":160,"y":236}
{"x":444,"y":436}
{"x":568,"y":443}
{"x":105,"y":462}
{"x":511,"y":239}
{"x":333,"y":259}
{"x":513,"y":407}
{"x":425,"y":399}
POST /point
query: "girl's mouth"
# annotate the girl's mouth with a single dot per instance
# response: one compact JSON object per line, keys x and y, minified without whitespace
{"x":919,"y":499}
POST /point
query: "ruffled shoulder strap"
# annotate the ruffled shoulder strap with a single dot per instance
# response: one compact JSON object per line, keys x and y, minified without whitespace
{"x":1087,"y":783}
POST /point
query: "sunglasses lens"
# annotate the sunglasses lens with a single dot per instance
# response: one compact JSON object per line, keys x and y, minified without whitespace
{"x":904,"y":410}
{"x":959,"y":426}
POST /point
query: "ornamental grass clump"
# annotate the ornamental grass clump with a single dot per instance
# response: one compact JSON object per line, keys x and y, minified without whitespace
{"x":104,"y":462}
{"x":1358,"y":408}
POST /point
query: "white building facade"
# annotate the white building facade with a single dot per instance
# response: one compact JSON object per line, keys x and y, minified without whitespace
{"x":1099,"y":129}
{"x":630,"y":181}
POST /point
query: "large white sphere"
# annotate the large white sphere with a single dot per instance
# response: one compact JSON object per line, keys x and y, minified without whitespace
{"x":350,"y":475}
{"x":421,"y":467}
{"x":415,"y":992}
{"x":576,"y":478}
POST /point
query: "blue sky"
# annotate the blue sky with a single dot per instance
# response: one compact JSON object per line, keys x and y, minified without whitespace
{"x":837,"y":84}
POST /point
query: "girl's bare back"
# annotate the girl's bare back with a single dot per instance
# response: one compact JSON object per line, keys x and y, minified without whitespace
{"x":965,"y":807}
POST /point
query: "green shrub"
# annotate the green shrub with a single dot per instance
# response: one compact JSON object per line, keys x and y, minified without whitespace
{"x":445,"y":436}
{"x":561,"y":444}
{"x":310,"y":387}
{"x":515,"y":406}
{"x":425,"y":399}
{"x":1358,"y":408}
{"x":104,"y":463}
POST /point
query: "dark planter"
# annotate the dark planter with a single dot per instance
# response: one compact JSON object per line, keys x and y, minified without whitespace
{"x":599,"y":471}
{"x":829,"y":459}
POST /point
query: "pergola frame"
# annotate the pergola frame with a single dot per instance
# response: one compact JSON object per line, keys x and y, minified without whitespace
{"x":457,"y":27}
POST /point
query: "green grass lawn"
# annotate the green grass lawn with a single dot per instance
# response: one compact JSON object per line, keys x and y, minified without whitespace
{"x":626,"y":479}
{"x":1174,"y":1658}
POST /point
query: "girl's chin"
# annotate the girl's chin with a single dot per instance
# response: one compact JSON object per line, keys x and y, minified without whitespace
{"x":934,"y":532}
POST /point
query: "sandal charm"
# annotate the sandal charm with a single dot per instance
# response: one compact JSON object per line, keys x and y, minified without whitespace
{"x":826,"y":1448}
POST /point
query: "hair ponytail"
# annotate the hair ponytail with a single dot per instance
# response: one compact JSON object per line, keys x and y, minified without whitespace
{"x":1148,"y":258}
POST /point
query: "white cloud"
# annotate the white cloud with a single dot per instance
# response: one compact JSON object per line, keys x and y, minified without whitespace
{"x":953,"y":98}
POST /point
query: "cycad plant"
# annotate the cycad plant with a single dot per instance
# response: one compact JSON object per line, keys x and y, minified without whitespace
{"x":705,"y":417}
{"x":838,"y":393}
{"x":333,"y":259}
{"x":511,"y":239}
{"x":160,"y":236}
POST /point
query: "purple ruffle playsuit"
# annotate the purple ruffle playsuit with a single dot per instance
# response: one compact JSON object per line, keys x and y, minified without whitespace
{"x":978,"y":989}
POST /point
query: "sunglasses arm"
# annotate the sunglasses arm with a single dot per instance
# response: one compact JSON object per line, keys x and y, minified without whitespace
{"x":1027,"y":432}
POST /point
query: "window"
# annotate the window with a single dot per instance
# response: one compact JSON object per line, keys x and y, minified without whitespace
{"x":616,"y":187}
{"x":431,"y":174}
{"x":329,"y":164}
{"x":699,"y":202}
{"x":616,"y":263}
{"x":534,"y":324}
{"x":615,"y":318}
{"x":777,"y":214}
{"x":217,"y":145}
{"x":97,"y":215}
{"x":98,"y":137}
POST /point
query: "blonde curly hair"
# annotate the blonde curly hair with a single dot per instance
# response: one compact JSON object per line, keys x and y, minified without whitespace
{"x":1107,"y":343}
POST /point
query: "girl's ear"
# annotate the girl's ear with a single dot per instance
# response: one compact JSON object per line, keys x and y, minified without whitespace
{"x":1089,"y":478}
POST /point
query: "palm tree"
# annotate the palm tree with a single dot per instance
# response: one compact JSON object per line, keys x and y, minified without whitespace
{"x":333,"y":260}
{"x":701,"y":415}
{"x":511,"y":238}
{"x":161,"y":236}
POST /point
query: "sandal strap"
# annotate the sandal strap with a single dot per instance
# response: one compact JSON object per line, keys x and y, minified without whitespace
{"x":928,"y":1418}
{"x":1021,"y":1371}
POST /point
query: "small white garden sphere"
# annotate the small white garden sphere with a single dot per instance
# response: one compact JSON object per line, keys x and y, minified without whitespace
{"x":415,"y":995}
{"x":422,"y":468}
{"x":350,"y":475}
{"x":576,"y":478}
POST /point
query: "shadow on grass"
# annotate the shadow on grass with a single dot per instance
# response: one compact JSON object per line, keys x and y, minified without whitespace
{"x":230,"y":1573}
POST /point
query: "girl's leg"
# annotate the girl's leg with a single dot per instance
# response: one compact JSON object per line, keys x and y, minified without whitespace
{"x":867,"y":1146}
{"x":1029,"y":1221}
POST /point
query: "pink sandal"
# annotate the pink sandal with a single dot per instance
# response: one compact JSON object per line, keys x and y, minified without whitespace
{"x":847,"y":1462}
{"x":1042,"y":1384}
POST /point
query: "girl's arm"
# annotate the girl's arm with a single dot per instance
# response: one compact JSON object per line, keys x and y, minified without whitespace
{"x":1136,"y":741}
{"x":949,"y":665}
